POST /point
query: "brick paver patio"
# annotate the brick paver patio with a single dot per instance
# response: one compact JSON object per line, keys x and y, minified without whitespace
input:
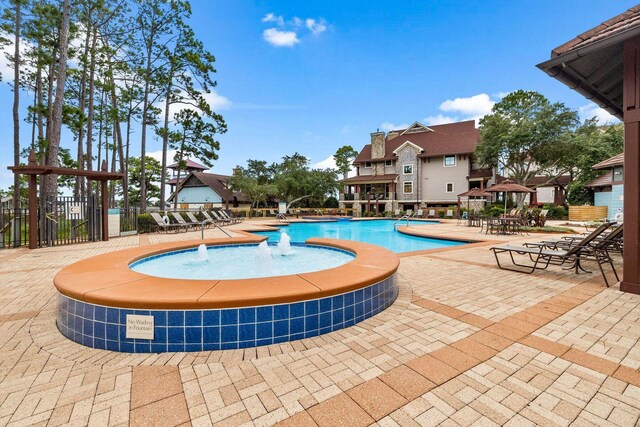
{"x":464,"y":344}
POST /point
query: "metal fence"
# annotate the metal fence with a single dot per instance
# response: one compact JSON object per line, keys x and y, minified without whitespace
{"x":129,"y":221}
{"x":69,"y":219}
{"x":14,"y":227}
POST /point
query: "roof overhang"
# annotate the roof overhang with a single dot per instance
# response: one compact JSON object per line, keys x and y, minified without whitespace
{"x":594,"y":70}
{"x":408,"y":144}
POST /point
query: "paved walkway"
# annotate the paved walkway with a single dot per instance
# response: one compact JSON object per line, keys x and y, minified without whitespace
{"x":464,"y":344}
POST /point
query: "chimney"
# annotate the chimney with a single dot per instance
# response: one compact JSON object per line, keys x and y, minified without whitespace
{"x":377,"y":145}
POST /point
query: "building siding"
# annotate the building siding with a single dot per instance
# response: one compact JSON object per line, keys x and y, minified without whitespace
{"x":610,"y":199}
{"x":198,"y":195}
{"x":435,"y":177}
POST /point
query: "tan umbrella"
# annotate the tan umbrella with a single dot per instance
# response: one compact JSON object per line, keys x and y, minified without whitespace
{"x":508,"y":186}
{"x":475,"y":193}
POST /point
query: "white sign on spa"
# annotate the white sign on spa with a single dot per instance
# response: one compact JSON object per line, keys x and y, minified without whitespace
{"x":139,"y":326}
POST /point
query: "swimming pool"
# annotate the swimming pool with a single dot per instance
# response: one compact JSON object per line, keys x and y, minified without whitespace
{"x":377,"y":232}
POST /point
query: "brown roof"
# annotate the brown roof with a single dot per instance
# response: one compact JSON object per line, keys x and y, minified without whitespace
{"x":190,"y":164}
{"x":450,"y":138}
{"x":214,"y":181}
{"x":615,"y":25}
{"x":371,"y":178}
{"x":603,"y":180}
{"x":591,"y":63}
{"x":617,"y":160}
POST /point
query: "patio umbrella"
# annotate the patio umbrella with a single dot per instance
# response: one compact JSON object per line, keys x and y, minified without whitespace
{"x":508,"y":186}
{"x":475,"y":193}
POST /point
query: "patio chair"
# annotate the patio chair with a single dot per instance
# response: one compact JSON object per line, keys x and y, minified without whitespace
{"x":221,"y":220}
{"x":214,"y":221}
{"x":196,"y":222}
{"x":541,"y":257}
{"x":229,"y":215}
{"x":409,"y":213}
{"x":396,"y":213}
{"x":449,"y":213}
{"x":420,"y":213}
{"x":166,"y":226}
{"x":180,"y":220}
{"x":431,"y":213}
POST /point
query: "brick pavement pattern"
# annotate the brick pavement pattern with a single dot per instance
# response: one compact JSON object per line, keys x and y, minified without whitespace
{"x":464,"y":344}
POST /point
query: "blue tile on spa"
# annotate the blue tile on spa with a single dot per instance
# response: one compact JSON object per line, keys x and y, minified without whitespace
{"x":211,"y":334}
{"x":247,"y":315}
{"x":325,"y":320}
{"x":264,"y":314}
{"x":175,"y":347}
{"x":296,"y":326}
{"x":100,"y":314}
{"x":160,"y":334}
{"x":358,"y":296}
{"x":142,"y":347}
{"x":337,"y":302}
{"x":159,"y":318}
{"x":283,"y":338}
{"x":193,"y":335}
{"x":337,"y":316}
{"x":325,"y":304}
{"x":193,"y":347}
{"x":211,"y":318}
{"x":193,"y":318}
{"x":267,"y":341}
{"x":264,"y":330}
{"x":175,"y":335}
{"x":99,"y":344}
{"x":77,"y":324}
{"x":311,"y":307}
{"x":99,"y":330}
{"x":349,"y":312}
{"x":228,"y":334}
{"x":87,"y":340}
{"x":88,"y":311}
{"x":296,"y":336}
{"x":175,"y":318}
{"x":113,"y":345}
{"x":348,"y":299}
{"x":113,"y":332}
{"x":247,"y":332}
{"x":229,"y":317}
{"x":123,"y":315}
{"x":228,"y":345}
{"x":281,"y":312}
{"x":113,"y":315}
{"x":296,"y":310}
{"x":311,"y":323}
{"x":158,"y":348}
{"x":211,"y":346}
{"x":280,"y":328}
{"x":309,"y":334}
{"x":127,"y":347}
{"x":325,"y":330}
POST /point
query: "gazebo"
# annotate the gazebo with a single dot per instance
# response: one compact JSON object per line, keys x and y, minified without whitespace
{"x":603,"y":64}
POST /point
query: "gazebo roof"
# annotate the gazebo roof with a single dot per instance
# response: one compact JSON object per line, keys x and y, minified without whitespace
{"x":591,"y":63}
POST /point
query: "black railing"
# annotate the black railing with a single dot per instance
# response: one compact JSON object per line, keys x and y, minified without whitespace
{"x":129,"y":221}
{"x":14,"y":227}
{"x":348,"y":196}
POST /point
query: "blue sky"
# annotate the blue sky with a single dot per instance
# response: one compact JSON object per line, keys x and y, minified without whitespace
{"x":312,"y":76}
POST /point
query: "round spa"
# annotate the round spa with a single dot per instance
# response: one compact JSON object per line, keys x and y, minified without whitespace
{"x":225,"y":294}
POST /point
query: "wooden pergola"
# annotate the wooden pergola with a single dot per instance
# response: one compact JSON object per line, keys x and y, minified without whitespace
{"x":33,"y":170}
{"x":603,"y":64}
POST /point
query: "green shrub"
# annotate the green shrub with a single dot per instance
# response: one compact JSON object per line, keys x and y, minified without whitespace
{"x":556,"y":212}
{"x":441,"y":213}
{"x":330,"y":203}
{"x":146,"y":224}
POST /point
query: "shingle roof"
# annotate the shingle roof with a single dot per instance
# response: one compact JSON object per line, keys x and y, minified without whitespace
{"x":190,"y":164}
{"x":370,"y":178}
{"x":603,"y":180}
{"x":617,"y":160}
{"x":451,"y":138}
{"x":615,"y":25}
{"x":214,"y":181}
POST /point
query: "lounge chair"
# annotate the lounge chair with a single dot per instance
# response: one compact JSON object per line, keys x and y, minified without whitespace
{"x":165,"y":226}
{"x":214,"y":221}
{"x":196,"y":222}
{"x":396,"y":213}
{"x":449,"y":213}
{"x":221,"y":220}
{"x":180,"y":220}
{"x":409,"y":213}
{"x":431,"y":213}
{"x":586,"y":249}
{"x":420,"y":213}
{"x":227,"y":215}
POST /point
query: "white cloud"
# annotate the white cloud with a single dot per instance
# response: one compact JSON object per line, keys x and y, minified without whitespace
{"x":280,"y":38}
{"x":388,"y":126}
{"x":316,"y":27}
{"x":214,"y":99}
{"x":271,"y":17}
{"x":296,"y":22}
{"x":592,"y":110}
{"x":6,"y":68}
{"x":330,"y":163}
{"x":472,"y":107}
{"x":438,"y":119}
{"x":158,"y":155}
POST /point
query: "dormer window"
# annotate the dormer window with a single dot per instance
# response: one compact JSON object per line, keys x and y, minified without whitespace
{"x":449,"y":161}
{"x":367,"y":164}
{"x":407,"y":169}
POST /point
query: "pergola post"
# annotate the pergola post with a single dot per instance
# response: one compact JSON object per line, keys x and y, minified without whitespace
{"x":631,"y":108}
{"x":105,"y":204}
{"x":33,"y":211}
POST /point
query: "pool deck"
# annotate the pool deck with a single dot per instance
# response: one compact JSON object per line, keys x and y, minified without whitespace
{"x":464,"y":344}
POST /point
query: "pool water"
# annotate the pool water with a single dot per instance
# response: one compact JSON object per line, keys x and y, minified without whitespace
{"x":241,"y":262}
{"x":378,"y":232}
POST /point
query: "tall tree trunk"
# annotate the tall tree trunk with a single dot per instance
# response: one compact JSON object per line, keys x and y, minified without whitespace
{"x":16,"y":122}
{"x":56,"y":123}
{"x":165,"y":142}
{"x":143,"y":138}
{"x":81,"y":106}
{"x":116,"y":128}
{"x":90,"y":106}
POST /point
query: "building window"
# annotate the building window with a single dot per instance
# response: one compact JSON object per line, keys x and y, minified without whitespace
{"x":618,"y":174}
{"x":407,"y":187}
{"x":388,"y":163}
{"x":449,"y":161}
{"x":407,"y":169}
{"x":367,"y":164}
{"x":449,"y":187}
